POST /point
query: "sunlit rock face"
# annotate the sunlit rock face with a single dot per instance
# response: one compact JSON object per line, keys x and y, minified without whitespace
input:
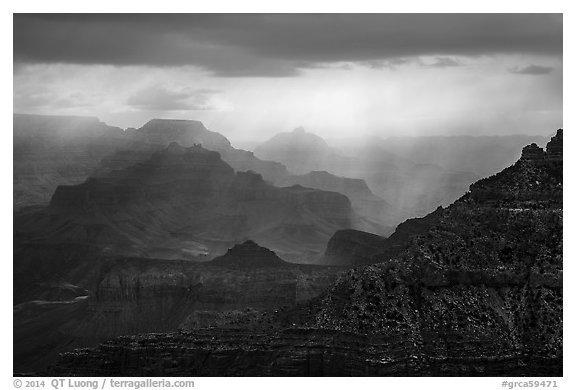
{"x":55,"y":150}
{"x":477,"y":292}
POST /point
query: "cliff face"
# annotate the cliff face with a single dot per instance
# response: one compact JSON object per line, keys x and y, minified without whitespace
{"x":478,"y":293}
{"x":135,"y":295}
{"x":289,"y":352}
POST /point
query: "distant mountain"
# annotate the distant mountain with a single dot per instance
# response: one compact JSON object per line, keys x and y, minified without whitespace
{"x":162,"y":132}
{"x":54,"y":150}
{"x":411,"y":188}
{"x":59,"y":150}
{"x":301,"y":152}
{"x":481,"y":155}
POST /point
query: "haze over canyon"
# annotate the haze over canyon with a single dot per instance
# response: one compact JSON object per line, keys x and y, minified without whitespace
{"x":287,"y":195}
{"x":170,"y":227}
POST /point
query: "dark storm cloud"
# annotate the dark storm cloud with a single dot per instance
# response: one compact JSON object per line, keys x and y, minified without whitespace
{"x":276,"y":45}
{"x":533,"y":70}
{"x":158,"y":98}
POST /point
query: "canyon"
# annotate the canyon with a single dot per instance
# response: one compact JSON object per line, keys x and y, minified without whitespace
{"x":479,"y":292}
{"x":165,"y":251}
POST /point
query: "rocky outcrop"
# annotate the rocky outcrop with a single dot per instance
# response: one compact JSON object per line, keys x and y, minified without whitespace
{"x":555,"y":146}
{"x":553,"y":153}
{"x":532,"y":152}
{"x":528,"y":184}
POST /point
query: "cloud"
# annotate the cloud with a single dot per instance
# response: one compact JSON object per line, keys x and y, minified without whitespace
{"x":278,"y":44}
{"x":533,"y":70}
{"x":157,"y":98}
{"x":445,"y":62}
{"x":391,"y":64}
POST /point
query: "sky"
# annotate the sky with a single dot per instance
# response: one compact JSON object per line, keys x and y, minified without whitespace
{"x":250,"y":76}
